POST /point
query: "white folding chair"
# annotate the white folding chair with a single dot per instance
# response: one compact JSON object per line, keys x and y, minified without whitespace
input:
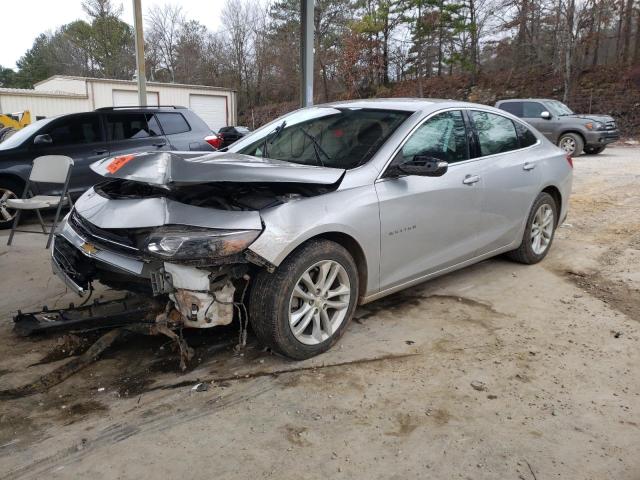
{"x":46,"y":169}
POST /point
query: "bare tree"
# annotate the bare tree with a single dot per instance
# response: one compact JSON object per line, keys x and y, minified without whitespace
{"x":164,"y":25}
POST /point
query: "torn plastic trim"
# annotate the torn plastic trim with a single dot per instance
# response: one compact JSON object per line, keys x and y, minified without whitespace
{"x":159,"y":211}
{"x":165,"y":168}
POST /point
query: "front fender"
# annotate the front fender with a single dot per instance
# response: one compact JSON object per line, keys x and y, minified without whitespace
{"x":353,"y":212}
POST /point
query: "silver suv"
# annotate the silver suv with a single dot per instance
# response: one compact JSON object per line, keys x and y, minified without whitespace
{"x":320,"y":210}
{"x":572,"y":132}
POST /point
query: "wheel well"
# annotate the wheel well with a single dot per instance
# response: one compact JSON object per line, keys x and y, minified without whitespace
{"x":557,"y":198}
{"x":13,"y":178}
{"x":584,"y":141}
{"x":354,"y":248}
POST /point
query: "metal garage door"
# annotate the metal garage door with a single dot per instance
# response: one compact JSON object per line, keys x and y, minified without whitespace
{"x":126,"y":98}
{"x":211,"y":108}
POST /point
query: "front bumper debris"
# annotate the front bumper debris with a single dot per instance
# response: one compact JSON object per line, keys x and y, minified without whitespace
{"x":95,"y":316}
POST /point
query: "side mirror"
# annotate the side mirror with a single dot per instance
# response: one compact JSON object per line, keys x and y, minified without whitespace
{"x":546,"y":115}
{"x":44,"y":139}
{"x":420,"y":165}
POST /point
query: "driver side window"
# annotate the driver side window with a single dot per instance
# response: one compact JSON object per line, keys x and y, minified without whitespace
{"x":443,"y":136}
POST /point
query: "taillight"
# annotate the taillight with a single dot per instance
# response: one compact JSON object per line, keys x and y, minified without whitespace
{"x":570,"y":160}
{"x":214,"y":140}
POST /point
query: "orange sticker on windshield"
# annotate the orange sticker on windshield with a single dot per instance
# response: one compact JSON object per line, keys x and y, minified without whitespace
{"x":119,"y":162}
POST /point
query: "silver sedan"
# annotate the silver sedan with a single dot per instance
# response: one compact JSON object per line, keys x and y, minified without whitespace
{"x":318,"y":211}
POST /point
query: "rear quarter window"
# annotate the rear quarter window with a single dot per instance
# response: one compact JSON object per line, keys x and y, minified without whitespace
{"x":173,"y":123}
{"x":527,"y":138}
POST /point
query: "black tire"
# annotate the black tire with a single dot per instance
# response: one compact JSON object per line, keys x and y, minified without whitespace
{"x":577,"y":141}
{"x":591,"y":150}
{"x":14,"y":186}
{"x":525,"y":252}
{"x":6,"y":132}
{"x":269,"y":301}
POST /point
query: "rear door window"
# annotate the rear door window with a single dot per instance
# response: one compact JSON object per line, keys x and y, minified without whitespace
{"x":173,"y":123}
{"x":128,"y":126}
{"x":154,"y":126}
{"x":443,"y":136}
{"x":496,"y":134}
{"x":76,"y":130}
{"x":514,"y":108}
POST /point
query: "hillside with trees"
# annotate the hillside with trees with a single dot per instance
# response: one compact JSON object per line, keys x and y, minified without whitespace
{"x":586,"y":53}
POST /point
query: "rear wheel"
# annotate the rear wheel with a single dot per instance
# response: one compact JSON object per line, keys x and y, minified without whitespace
{"x":538,"y":234}
{"x":303,"y":308}
{"x":571,"y":143}
{"x":9,"y":188}
{"x":591,"y":150}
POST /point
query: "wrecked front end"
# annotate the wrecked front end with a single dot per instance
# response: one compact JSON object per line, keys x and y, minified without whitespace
{"x":177,"y":227}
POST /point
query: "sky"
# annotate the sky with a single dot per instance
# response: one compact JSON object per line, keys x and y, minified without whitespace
{"x":22,"y":21}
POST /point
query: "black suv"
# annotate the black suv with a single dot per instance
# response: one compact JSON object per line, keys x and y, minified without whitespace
{"x":232,"y":134}
{"x":87,"y":137}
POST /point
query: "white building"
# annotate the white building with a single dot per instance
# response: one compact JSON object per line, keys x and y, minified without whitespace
{"x":62,"y":94}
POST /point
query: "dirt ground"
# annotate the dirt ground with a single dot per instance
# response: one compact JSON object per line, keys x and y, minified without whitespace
{"x":498,"y":371}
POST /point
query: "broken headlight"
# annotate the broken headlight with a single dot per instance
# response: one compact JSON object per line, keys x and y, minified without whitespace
{"x":199,"y":244}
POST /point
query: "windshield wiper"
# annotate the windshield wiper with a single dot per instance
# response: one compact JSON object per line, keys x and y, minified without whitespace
{"x":317,"y":148}
{"x":270,"y":138}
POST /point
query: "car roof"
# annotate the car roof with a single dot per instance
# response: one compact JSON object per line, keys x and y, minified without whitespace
{"x":408,"y":104}
{"x":134,"y":108}
{"x":526,"y":100}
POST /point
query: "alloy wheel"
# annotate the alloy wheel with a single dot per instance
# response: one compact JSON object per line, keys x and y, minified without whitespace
{"x":542,"y":229}
{"x":319,"y":302}
{"x":568,"y":144}
{"x":6,"y":214}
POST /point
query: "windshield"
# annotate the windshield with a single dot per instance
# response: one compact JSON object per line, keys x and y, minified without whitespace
{"x":325,"y":136}
{"x":21,"y":135}
{"x":558,"y":108}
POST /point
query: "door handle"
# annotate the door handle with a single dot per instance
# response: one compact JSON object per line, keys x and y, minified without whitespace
{"x":471,"y":179}
{"x":528,"y":166}
{"x":100,"y":152}
{"x":159,"y":144}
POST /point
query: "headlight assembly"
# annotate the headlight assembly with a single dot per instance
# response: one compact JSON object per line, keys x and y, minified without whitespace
{"x":199,"y":244}
{"x":594,"y":126}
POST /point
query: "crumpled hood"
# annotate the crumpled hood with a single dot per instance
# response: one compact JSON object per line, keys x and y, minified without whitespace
{"x":592,"y":118}
{"x":165,"y":168}
{"x":158,"y":211}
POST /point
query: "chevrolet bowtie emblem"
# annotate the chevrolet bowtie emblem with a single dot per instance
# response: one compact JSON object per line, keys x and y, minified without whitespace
{"x":88,"y":248}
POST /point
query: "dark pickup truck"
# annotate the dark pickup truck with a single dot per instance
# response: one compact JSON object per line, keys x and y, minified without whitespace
{"x":572,"y":132}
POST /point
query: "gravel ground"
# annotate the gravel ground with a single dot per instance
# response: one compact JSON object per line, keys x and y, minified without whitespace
{"x":496,"y":371}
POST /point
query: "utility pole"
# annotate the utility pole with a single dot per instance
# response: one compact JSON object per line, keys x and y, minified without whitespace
{"x":140,"y":67}
{"x":306,"y":52}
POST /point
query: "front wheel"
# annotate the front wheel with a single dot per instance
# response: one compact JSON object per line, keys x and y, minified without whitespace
{"x":571,"y":143}
{"x":539,"y":231}
{"x":303,"y":308}
{"x":594,"y":150}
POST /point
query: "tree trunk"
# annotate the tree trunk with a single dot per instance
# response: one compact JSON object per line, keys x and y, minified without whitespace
{"x":385,"y":49}
{"x":626,"y":45}
{"x":636,"y":54}
{"x":568,"y":53}
{"x":475,"y":54}
{"x":598,"y":22}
